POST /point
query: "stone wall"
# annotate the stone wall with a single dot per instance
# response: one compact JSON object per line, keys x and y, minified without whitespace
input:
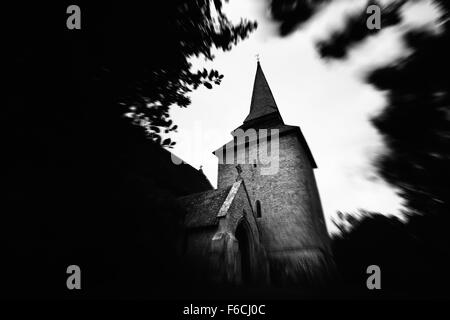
{"x":214,"y":251}
{"x":292,"y":218}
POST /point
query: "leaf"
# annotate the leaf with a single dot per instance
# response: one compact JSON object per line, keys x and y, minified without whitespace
{"x":156,"y":129}
{"x":211,"y":74}
{"x":208,"y":85}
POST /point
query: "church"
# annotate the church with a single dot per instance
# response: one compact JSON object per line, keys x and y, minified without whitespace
{"x":260,"y":227}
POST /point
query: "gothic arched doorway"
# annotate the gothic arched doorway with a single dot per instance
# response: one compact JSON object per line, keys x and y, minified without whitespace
{"x":244,"y":242}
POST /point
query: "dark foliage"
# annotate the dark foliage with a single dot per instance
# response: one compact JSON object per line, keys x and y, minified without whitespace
{"x":413,"y":256}
{"x":340,"y":42}
{"x":294,"y":13}
{"x":83,"y":185}
{"x":415,"y":125}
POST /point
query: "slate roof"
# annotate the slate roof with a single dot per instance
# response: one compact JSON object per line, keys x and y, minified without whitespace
{"x":264,"y":114}
{"x":202,"y":208}
{"x":263,"y":102}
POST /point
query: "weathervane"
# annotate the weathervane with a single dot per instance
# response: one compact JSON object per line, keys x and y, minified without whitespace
{"x":257,"y":57}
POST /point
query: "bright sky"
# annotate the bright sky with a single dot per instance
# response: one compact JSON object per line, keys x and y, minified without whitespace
{"x":328,"y":100}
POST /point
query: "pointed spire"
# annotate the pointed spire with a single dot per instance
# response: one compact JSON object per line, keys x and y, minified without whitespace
{"x":262,"y":103}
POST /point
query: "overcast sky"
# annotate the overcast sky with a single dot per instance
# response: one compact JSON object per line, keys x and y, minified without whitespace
{"x":328,"y":100}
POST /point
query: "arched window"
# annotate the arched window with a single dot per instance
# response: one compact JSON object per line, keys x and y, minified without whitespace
{"x":258,"y":209}
{"x":243,"y":238}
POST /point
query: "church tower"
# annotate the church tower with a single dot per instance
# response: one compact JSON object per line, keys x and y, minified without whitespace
{"x":283,"y":191}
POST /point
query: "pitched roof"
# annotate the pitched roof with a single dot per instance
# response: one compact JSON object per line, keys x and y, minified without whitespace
{"x":205,"y":208}
{"x":262,"y":102}
{"x":202,"y":208}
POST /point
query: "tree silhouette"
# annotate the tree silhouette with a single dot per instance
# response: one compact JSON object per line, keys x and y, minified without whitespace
{"x":412,"y":255}
{"x":84,"y":185}
{"x":415,"y":126}
{"x":415,"y":123}
{"x":135,"y":54}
